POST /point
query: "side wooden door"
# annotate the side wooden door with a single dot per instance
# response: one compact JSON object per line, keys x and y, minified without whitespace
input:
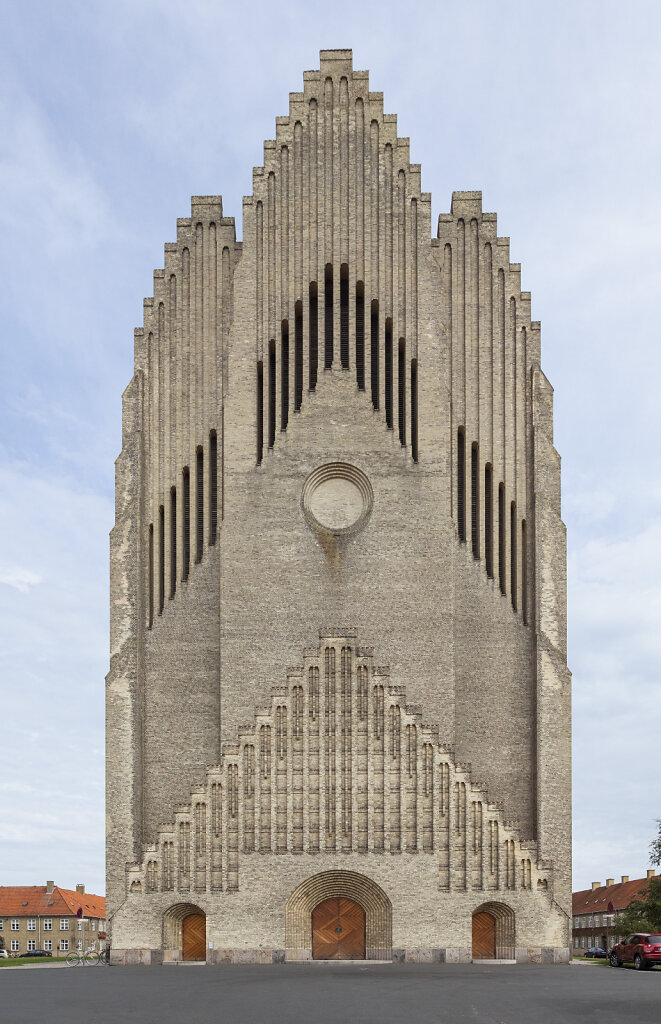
{"x":338,"y":930}
{"x":194,"y":937}
{"x":484,"y":936}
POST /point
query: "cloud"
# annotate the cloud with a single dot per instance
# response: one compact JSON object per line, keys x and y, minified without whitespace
{"x":18,"y":578}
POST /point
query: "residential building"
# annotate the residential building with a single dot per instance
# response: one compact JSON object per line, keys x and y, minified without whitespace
{"x":45,"y":917}
{"x":595,"y":912}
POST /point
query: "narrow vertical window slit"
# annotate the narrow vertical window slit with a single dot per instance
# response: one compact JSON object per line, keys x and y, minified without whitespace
{"x":401,"y":390}
{"x":344,"y":316}
{"x":488,"y":519}
{"x":199,"y":503}
{"x":272,"y":393}
{"x":360,"y":335}
{"x":461,"y":484}
{"x":475,"y":501}
{"x":501,"y":539}
{"x":284,"y":374}
{"x":213,"y":486}
{"x":328,"y":316}
{"x":313,"y":314}
{"x":161,"y":559}
{"x":388,"y":372}
{"x":414,"y":409}
{"x":374,"y":352}
{"x":298,"y":355}
{"x":524,"y":572}
{"x":260,"y":411}
{"x":185,"y":483}
{"x":513,"y":532}
{"x":173,"y":541}
{"x":151,"y":575}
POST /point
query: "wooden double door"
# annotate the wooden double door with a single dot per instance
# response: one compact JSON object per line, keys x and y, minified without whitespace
{"x":338,"y":930}
{"x":484,"y":936}
{"x":194,"y":937}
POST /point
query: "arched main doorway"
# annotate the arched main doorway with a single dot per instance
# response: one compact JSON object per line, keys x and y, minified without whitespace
{"x":354,"y":891}
{"x":484,"y":936}
{"x":493,"y":932}
{"x":185,"y":932}
{"x":338,"y":930}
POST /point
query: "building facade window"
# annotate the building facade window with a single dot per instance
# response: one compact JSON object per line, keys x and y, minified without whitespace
{"x":32,"y":943}
{"x":48,"y":924}
{"x":32,"y":924}
{"x":48,"y":945}
{"x":64,"y":945}
{"x":64,"y":924}
{"x":2,"y":924}
{"x":15,"y":924}
{"x":14,"y":945}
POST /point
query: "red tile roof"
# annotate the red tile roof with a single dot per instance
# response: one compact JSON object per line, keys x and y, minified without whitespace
{"x":34,"y":901}
{"x":590,"y":901}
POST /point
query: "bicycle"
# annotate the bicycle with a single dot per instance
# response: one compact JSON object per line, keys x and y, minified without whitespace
{"x":79,"y":958}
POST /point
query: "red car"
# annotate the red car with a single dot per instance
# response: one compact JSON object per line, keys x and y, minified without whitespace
{"x":642,"y":949}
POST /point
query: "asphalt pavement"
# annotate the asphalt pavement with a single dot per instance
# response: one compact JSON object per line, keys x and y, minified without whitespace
{"x":357,"y":993}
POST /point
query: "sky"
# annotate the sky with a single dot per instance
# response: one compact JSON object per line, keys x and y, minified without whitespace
{"x":112,"y":114}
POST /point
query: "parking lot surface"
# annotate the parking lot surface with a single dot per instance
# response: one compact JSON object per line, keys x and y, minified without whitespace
{"x":357,"y":993}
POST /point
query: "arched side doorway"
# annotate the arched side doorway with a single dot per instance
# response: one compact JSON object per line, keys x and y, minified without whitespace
{"x":494,"y":935}
{"x":339,"y":885}
{"x":338,"y":930}
{"x":185,"y":932}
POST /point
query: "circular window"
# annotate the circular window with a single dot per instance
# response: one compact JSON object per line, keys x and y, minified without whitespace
{"x":337,"y":498}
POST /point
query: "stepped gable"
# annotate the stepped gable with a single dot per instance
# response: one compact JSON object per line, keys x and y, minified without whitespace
{"x":339,"y":762}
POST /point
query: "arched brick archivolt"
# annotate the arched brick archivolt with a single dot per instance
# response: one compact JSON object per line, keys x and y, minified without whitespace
{"x":505,"y":928}
{"x":370,"y":896}
{"x":172,"y":925}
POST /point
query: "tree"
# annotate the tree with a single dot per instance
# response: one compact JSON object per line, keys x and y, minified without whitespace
{"x":643,"y":914}
{"x":655,"y":846}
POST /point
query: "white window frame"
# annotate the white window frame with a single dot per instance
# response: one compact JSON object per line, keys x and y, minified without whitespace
{"x":92,"y":924}
{"x":15,"y":924}
{"x":14,"y":944}
{"x":64,"y":924}
{"x":48,"y":924}
{"x":32,"y":924}
{"x":32,"y":944}
{"x":80,"y":925}
{"x":64,"y":945}
{"x":48,"y":945}
{"x":2,"y":924}
{"x":79,"y":945}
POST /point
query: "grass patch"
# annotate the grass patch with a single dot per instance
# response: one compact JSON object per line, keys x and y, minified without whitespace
{"x":18,"y":960}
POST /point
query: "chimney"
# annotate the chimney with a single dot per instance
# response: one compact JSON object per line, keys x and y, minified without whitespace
{"x":80,"y":888}
{"x":625,"y":878}
{"x":596,"y":885}
{"x":49,"y":887}
{"x":610,"y":881}
{"x":650,"y":873}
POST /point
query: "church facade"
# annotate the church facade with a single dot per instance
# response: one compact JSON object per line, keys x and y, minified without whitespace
{"x":338,"y":705}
